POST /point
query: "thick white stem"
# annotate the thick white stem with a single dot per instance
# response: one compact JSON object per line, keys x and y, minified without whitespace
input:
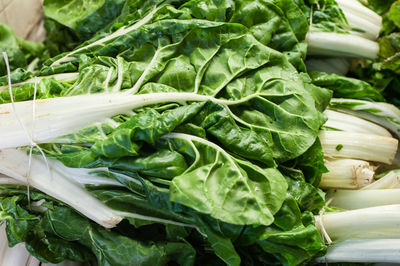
{"x":14,"y":163}
{"x":358,"y":199}
{"x":346,"y":45}
{"x":390,"y":180}
{"x":56,"y":117}
{"x":17,"y":255}
{"x":347,"y":173}
{"x":384,"y":114}
{"x":373,"y":222}
{"x":363,"y":251}
{"x":370,"y":30}
{"x":350,"y":123}
{"x":4,"y":180}
{"x":359,"y":10}
{"x":361,"y":17}
{"x":366,"y":147}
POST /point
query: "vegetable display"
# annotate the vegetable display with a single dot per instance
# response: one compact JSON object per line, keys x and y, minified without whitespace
{"x":169,"y":132}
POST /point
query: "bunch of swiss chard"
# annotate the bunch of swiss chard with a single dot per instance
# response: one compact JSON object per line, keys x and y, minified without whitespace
{"x":165,"y":132}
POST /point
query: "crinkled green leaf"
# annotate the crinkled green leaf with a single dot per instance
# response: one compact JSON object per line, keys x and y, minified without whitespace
{"x":345,"y":87}
{"x":117,"y":144}
{"x":84,"y":17}
{"x":390,"y":52}
{"x":295,"y":246}
{"x":19,"y":52}
{"x":311,"y":163}
{"x":292,"y":240}
{"x":394,"y":13}
{"x":61,"y":233}
{"x":379,"y":6}
{"x":228,"y":189}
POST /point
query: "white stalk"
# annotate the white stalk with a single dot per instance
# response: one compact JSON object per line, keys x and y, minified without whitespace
{"x":67,"y":185}
{"x":358,"y":199}
{"x":361,"y":17}
{"x":347,"y":173}
{"x":14,"y":163}
{"x":363,"y":251}
{"x":384,"y":114}
{"x":56,"y":117}
{"x":154,"y":219}
{"x":390,"y":180}
{"x":346,"y":45}
{"x":84,"y":176}
{"x":373,"y":222}
{"x":117,"y":86}
{"x":371,"y":30}
{"x":350,"y":123}
{"x":366,"y":147}
{"x":357,"y":9}
{"x":6,"y":180}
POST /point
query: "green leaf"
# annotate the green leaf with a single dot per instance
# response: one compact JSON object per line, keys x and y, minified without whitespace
{"x":229,"y":189}
{"x":390,"y":52}
{"x":326,"y":16}
{"x":296,"y":13}
{"x":295,"y":246}
{"x":19,"y":52}
{"x":118,"y":144}
{"x":61,"y":233}
{"x":311,"y":163}
{"x":293,"y":239}
{"x":379,"y":6}
{"x":345,"y":87}
{"x":84,"y":17}
{"x":394,"y":13}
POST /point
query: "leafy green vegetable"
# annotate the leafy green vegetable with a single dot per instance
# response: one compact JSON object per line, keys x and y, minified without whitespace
{"x":380,"y":7}
{"x":389,"y":52}
{"x":59,"y":38}
{"x":327,"y":16}
{"x":69,"y":23}
{"x":344,"y":87}
{"x":84,"y":17}
{"x":20,"y":52}
{"x":187,"y":120}
{"x":311,"y":164}
{"x":380,"y":113}
{"x":268,"y":16}
{"x":249,"y":81}
{"x":252,"y":195}
{"x":394,"y":13}
{"x":292,"y":240}
{"x":382,"y":73}
{"x":60,"y":233}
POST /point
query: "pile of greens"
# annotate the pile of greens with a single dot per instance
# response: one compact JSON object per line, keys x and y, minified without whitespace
{"x":382,"y":73}
{"x":169,"y":132}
